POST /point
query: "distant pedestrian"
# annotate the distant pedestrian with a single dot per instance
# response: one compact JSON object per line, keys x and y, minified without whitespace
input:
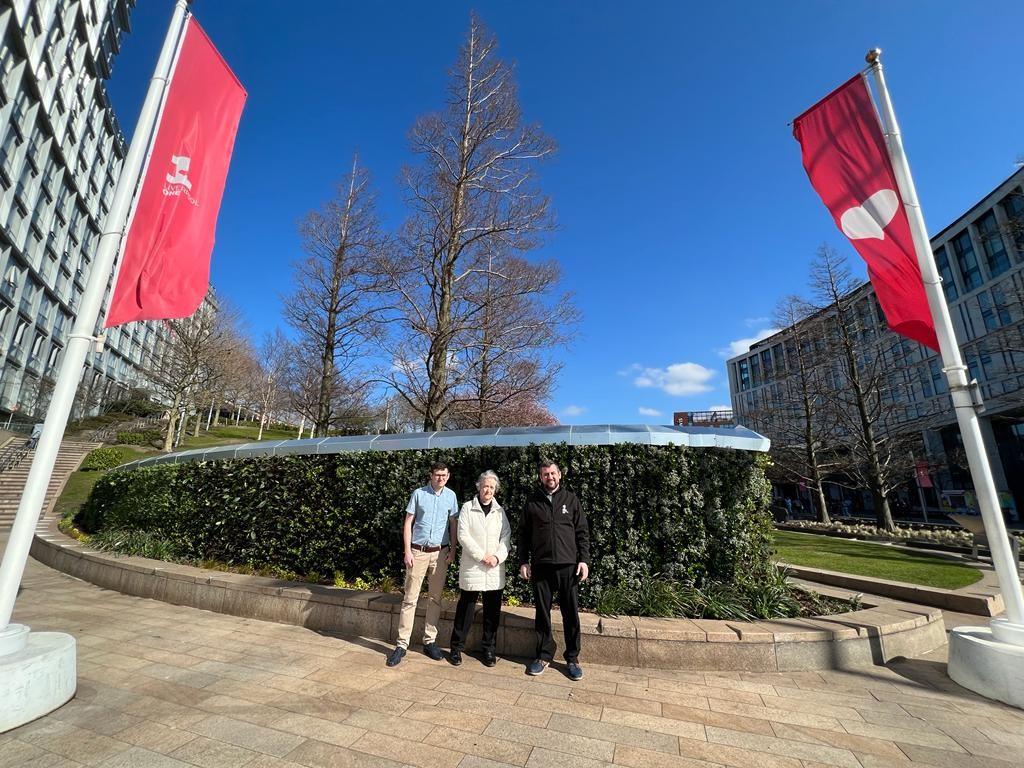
{"x":429,"y":536}
{"x":554,"y":552}
{"x":37,"y":432}
{"x":788,"y":503}
{"x":485,"y":537}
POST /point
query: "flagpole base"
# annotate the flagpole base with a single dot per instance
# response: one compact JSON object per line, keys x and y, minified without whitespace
{"x":981,"y":662}
{"x":38,"y":673}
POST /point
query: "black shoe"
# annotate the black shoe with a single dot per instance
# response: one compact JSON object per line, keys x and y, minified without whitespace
{"x":490,"y":659}
{"x":455,"y":657}
{"x":395,"y":657}
{"x":432,"y":651}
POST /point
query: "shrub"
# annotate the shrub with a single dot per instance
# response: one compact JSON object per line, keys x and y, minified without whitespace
{"x":140,"y":407}
{"x":105,"y":458}
{"x":696,"y":516}
{"x":142,"y":437}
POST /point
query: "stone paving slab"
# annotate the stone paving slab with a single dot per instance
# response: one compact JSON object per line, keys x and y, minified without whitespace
{"x":167,"y":686}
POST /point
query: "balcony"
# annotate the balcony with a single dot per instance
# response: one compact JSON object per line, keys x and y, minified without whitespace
{"x":7,"y":288}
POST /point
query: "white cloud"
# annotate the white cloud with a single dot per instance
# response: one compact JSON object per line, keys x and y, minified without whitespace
{"x":753,"y":322}
{"x":678,"y":379}
{"x":573,"y":410}
{"x":740,"y":346}
{"x":652,"y":412}
{"x":630,"y":370}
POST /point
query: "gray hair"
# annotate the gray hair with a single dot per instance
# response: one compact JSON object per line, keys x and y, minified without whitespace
{"x":489,"y":475}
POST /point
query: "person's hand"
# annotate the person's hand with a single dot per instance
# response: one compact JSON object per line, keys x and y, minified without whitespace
{"x":408,"y":559}
{"x":490,"y":560}
{"x":582,"y":570}
{"x":524,"y":571}
{"x":449,"y":558}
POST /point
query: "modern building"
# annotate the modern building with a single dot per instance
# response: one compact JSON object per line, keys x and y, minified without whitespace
{"x":981,"y":259}
{"x":61,"y":150}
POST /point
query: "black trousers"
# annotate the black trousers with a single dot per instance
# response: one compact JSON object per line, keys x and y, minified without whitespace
{"x":549,"y":580}
{"x":464,"y":619}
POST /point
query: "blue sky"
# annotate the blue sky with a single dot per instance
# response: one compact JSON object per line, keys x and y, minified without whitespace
{"x":683,"y":211}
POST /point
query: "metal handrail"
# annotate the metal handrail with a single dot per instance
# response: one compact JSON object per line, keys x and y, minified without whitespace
{"x":13,"y":455}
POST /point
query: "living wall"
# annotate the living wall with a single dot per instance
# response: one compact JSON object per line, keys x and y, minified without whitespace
{"x":692,"y":515}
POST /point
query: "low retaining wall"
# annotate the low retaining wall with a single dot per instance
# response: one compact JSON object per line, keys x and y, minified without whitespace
{"x":978,"y":602}
{"x":875,"y":635}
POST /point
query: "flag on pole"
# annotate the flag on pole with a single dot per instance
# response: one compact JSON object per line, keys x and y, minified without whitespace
{"x":845,"y":156}
{"x":165,"y":268}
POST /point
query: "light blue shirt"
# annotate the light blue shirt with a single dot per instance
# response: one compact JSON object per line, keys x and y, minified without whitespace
{"x":431,"y":512}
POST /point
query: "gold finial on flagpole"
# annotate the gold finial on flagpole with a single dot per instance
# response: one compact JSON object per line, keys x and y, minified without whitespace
{"x":872,"y":56}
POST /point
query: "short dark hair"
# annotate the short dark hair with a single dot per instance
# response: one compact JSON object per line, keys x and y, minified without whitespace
{"x":548,"y":463}
{"x":438,"y":466}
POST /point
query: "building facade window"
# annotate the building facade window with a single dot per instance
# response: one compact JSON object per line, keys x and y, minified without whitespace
{"x":1013,"y":207}
{"x":948,"y":283}
{"x":967,"y":260}
{"x":996,"y":258}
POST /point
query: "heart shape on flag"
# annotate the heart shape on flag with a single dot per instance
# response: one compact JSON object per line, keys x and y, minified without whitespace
{"x":870,"y":218}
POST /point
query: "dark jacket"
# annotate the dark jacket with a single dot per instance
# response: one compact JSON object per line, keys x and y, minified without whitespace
{"x":555,"y":531}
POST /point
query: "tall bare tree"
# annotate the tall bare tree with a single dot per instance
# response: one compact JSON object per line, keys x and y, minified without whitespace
{"x":514,"y":326}
{"x":800,"y":422}
{"x":473,"y":195}
{"x":182,"y":367}
{"x":274,"y":357}
{"x":867,"y":411}
{"x":333,"y":307}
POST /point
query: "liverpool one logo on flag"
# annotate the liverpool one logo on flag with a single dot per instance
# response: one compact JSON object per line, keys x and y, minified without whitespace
{"x":165,"y":269}
{"x":846,"y":159}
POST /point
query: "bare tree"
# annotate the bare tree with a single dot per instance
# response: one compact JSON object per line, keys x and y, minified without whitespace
{"x":866,"y":409}
{"x":348,"y":410}
{"x":333,"y":307}
{"x":273,"y":361}
{"x":514,"y":326}
{"x":183,"y":367}
{"x":799,"y":421}
{"x":473,"y":195}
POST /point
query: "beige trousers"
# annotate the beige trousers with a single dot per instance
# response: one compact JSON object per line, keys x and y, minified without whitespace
{"x":432,"y":566}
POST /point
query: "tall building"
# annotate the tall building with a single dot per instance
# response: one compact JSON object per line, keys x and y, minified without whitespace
{"x":981,"y":259}
{"x":61,"y":151}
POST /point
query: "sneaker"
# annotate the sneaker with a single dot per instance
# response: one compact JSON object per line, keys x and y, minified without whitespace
{"x":432,"y":651}
{"x":490,"y":659}
{"x":395,"y":657}
{"x":574,"y":670}
{"x":455,"y":657}
{"x":536,"y":667}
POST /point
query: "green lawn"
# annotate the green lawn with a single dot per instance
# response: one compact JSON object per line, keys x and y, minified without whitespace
{"x":76,"y":491}
{"x":230,"y":434}
{"x":879,"y":561}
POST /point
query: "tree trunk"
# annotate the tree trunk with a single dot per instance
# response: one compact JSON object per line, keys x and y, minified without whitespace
{"x":172,"y":421}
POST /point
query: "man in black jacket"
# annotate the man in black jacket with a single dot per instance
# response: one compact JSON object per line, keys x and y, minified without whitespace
{"x":554,"y":552}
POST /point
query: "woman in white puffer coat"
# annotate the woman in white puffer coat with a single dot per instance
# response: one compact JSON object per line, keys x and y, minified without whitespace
{"x":485,"y":537}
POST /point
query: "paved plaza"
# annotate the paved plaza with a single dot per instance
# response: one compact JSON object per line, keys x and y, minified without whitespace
{"x":163,"y":686}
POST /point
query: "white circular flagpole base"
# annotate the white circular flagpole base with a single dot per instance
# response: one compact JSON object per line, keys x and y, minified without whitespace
{"x":982,"y":663}
{"x":37,"y":674}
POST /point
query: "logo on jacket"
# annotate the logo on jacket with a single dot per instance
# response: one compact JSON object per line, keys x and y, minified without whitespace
{"x":565,"y":511}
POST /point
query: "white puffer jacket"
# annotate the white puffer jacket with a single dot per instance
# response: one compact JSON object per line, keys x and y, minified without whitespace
{"x":479,"y":535}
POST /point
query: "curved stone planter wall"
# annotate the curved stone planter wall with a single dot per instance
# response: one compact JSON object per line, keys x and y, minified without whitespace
{"x":853,"y":640}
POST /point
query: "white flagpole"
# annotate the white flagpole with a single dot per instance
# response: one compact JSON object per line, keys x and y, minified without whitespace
{"x":83,"y":333}
{"x":1010,"y":630}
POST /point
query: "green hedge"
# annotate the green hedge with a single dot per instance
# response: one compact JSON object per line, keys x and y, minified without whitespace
{"x":106,"y":458}
{"x":142,"y":437}
{"x":693,"y":515}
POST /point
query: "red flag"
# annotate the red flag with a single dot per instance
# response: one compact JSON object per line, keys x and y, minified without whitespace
{"x":845,"y":157}
{"x":165,"y":269}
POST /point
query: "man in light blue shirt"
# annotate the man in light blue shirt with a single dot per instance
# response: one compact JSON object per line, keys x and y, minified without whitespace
{"x":429,"y":536}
